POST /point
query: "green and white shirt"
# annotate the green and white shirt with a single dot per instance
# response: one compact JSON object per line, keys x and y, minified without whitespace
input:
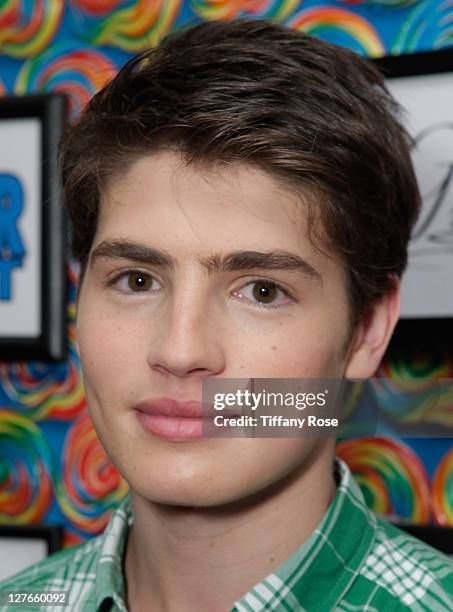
{"x":352,"y":561}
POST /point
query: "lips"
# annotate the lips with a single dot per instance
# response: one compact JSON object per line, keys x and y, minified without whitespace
{"x":175,"y":420}
{"x":170,"y":407}
{"x":178,"y":421}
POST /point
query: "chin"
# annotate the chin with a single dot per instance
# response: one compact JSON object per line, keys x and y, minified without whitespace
{"x":189,"y":496}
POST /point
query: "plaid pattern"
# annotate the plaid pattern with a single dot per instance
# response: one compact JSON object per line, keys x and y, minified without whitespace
{"x":353,"y":561}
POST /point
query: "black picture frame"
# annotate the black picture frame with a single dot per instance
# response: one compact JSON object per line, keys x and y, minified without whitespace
{"x":415,"y":64}
{"x":49,"y":343}
{"x":18,"y":544}
{"x":52,"y":535}
{"x":421,"y":65}
{"x":440,"y":538}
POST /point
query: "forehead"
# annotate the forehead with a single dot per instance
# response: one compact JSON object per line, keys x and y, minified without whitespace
{"x":165,"y":179}
{"x":162,"y":200}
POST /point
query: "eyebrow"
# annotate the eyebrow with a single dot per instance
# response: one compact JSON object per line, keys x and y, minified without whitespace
{"x":229,"y":262}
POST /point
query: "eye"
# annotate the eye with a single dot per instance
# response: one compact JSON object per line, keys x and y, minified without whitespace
{"x":265,"y":293}
{"x":133,"y":281}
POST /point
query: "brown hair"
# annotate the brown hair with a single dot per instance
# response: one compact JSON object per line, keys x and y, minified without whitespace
{"x":314,"y":116}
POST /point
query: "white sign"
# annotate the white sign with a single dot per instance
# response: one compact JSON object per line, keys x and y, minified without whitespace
{"x":20,"y":227}
{"x":427,"y":287}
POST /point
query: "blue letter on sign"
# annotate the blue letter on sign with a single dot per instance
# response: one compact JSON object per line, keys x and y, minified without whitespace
{"x":11,"y":248}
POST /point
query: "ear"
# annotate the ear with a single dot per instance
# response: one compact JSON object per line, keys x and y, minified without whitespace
{"x":372,"y":335}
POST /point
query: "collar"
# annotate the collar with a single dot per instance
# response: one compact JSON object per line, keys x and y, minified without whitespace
{"x":319,"y":573}
{"x":315,"y":577}
{"x":110,"y":583}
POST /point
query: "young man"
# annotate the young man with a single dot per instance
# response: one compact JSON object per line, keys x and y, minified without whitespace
{"x":241,"y":200}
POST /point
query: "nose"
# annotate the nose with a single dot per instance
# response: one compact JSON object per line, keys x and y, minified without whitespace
{"x":189,"y":340}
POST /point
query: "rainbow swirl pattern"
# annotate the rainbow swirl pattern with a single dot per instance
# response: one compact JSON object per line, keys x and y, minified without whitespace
{"x":80,"y":73}
{"x":383,"y":3}
{"x":26,"y":28}
{"x":26,"y":469}
{"x":325,"y":21}
{"x":44,"y":391}
{"x":442,"y":491}
{"x":89,"y":485}
{"x":407,"y":387}
{"x":427,"y":27}
{"x":138,"y":26}
{"x":73,"y":272}
{"x":73,"y":282}
{"x":96,"y":7}
{"x":391,"y":477}
{"x":351,"y":399}
{"x":229,"y":9}
{"x":70,"y":538}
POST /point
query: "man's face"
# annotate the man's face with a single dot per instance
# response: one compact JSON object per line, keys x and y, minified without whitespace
{"x":162,"y":332}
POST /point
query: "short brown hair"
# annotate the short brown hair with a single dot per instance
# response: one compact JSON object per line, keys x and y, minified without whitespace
{"x":316,"y":117}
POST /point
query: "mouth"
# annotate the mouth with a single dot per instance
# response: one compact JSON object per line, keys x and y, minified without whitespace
{"x":170,"y":407}
{"x":174,"y":428}
{"x":176,"y":420}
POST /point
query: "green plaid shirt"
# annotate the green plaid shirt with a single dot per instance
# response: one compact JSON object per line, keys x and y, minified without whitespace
{"x":352,"y":561}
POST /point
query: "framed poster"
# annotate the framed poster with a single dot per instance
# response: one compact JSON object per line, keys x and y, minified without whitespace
{"x":32,"y":229}
{"x":22,"y":545}
{"x":437,"y":537}
{"x":423,"y":84}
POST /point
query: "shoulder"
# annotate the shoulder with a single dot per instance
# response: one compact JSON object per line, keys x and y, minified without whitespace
{"x":72,"y":569}
{"x":406,"y":572}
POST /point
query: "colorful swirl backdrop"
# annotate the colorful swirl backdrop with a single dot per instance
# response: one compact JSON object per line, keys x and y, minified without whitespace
{"x":52,"y":466}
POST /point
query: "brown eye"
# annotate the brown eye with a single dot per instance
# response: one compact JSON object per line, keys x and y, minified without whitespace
{"x":264,"y":291}
{"x":138,"y":281}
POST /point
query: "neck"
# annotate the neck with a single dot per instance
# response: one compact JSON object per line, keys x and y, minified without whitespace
{"x":189,"y":558}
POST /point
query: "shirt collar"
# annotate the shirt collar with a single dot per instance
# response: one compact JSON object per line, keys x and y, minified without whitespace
{"x":322,"y":569}
{"x":110,"y":583}
{"x":315,"y":577}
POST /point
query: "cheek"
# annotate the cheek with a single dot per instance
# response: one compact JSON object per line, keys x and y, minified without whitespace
{"x":293,"y":355}
{"x":106,"y":349}
{"x":304,"y":346}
